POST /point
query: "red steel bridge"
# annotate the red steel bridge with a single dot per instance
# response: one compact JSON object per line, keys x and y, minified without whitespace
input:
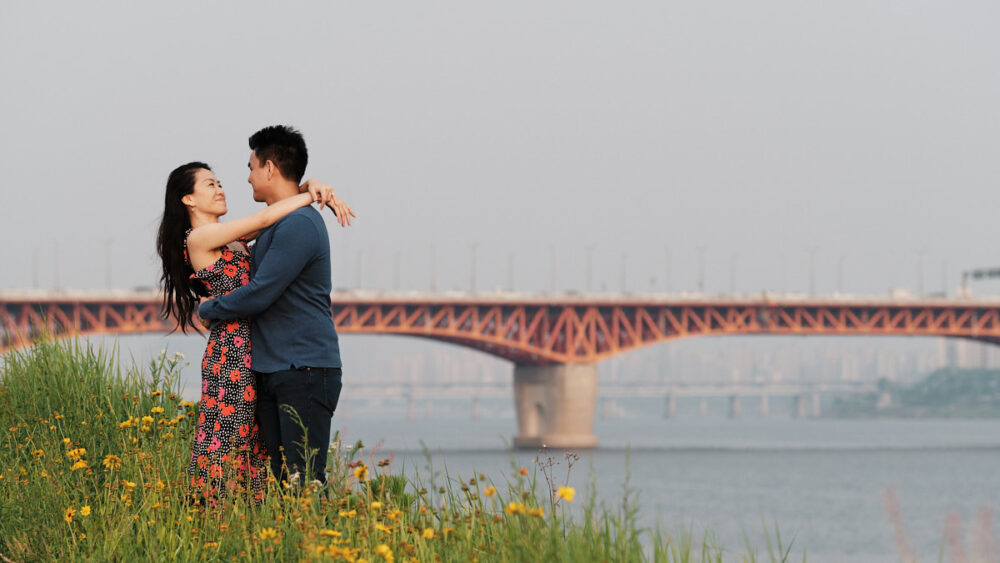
{"x":535,"y":329}
{"x":554,"y":340}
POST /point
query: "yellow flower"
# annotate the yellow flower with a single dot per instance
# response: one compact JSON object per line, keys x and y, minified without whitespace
{"x":85,"y":510}
{"x":376,"y":505}
{"x":394,"y":514}
{"x":157,"y":393}
{"x":384,"y":551}
{"x":330,"y":533}
{"x":267,"y":533}
{"x":167,"y":435}
{"x":128,"y":484}
{"x":76,"y":453}
{"x":38,"y":453}
{"x":112,"y":461}
{"x":68,"y":516}
{"x":44,"y":473}
{"x":566,"y":493}
{"x":348,"y":513}
{"x":448,"y":531}
{"x":490,"y":491}
{"x":537,"y":511}
{"x":382,"y":527}
{"x":66,"y":441}
{"x":82,"y":464}
{"x":52,"y":428}
{"x":211,"y":544}
{"x":428,"y":533}
{"x":187,"y":404}
{"x":361,"y":472}
{"x":515,"y":508}
{"x":147,"y":419}
{"x":156,"y":410}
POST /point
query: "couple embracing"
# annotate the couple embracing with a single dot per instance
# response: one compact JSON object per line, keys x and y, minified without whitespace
{"x":277,"y":401}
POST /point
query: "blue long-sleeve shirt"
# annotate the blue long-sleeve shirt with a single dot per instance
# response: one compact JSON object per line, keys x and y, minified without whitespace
{"x":288,"y":297}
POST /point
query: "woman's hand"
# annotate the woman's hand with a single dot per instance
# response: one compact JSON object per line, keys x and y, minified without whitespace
{"x":320,"y":192}
{"x":342,"y":211}
{"x":323,"y":194}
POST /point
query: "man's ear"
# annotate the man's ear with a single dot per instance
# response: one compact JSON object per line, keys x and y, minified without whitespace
{"x":270,"y":169}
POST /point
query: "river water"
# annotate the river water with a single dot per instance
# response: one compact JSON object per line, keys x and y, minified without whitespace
{"x":821,"y":481}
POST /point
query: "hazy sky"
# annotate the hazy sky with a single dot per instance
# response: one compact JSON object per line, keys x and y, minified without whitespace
{"x":868,"y":130}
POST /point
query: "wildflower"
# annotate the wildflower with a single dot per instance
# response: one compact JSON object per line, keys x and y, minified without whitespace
{"x":361,"y":472}
{"x":490,"y":491}
{"x":52,"y":428}
{"x":156,"y":410}
{"x":82,"y":464}
{"x":187,"y":404}
{"x":38,"y":453}
{"x":394,"y":514}
{"x":112,"y":462}
{"x":66,"y":441}
{"x":384,"y":551}
{"x":447,"y":532}
{"x":85,"y":510}
{"x":537,"y":511}
{"x":167,"y":435}
{"x":375,"y":505}
{"x":44,"y":474}
{"x":129,"y":485}
{"x":515,"y":508}
{"x":330,"y":533}
{"x":382,"y":527}
{"x":267,"y":533}
{"x":348,"y":513}
{"x":211,"y":544}
{"x":566,"y":493}
{"x":147,"y":420}
{"x":428,"y":533}
{"x":68,"y":515}
{"x":523,"y":471}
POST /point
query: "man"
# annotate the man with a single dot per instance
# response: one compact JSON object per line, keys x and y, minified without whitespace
{"x":296,"y":354}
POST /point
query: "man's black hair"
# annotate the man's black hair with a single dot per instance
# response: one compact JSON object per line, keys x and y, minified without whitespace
{"x":284,"y":146}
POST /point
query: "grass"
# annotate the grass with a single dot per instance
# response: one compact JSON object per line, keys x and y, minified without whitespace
{"x":93,"y":460}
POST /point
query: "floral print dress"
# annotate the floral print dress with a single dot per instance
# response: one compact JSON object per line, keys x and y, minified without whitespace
{"x":228,"y":453}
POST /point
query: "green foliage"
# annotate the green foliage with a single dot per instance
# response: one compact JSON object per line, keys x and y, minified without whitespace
{"x":93,"y":464}
{"x":951,"y":392}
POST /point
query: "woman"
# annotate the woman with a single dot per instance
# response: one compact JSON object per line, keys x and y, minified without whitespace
{"x":203,"y":257}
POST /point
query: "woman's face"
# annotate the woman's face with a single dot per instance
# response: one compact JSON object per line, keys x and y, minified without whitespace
{"x":207,"y":195}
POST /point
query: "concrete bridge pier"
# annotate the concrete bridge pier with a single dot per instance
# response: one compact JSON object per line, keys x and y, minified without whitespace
{"x":765,"y":409}
{"x":671,"y":405}
{"x":800,"y":406}
{"x":555,"y":406}
{"x":734,"y":407}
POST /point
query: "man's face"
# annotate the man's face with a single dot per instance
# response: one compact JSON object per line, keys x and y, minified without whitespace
{"x":258,"y":177}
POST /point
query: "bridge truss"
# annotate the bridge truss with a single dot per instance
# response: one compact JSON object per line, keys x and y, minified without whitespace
{"x":540,"y":330}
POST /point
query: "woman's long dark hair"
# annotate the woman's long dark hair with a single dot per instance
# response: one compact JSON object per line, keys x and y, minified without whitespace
{"x":180,"y":292}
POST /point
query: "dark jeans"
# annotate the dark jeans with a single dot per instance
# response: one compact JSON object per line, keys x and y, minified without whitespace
{"x":288,"y":401}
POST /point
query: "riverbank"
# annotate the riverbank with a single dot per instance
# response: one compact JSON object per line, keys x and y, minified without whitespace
{"x":93,"y":467}
{"x":945,"y":393}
